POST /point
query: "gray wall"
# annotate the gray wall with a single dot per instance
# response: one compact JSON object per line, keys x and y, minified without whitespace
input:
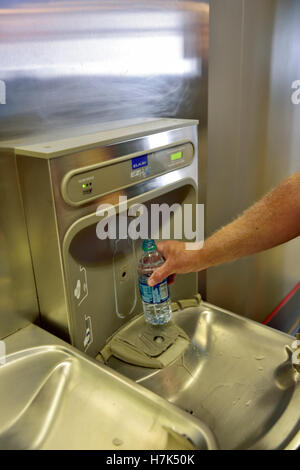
{"x":71,"y":63}
{"x":253,"y":139}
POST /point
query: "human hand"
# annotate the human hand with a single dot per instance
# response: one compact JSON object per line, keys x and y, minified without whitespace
{"x":178,"y":260}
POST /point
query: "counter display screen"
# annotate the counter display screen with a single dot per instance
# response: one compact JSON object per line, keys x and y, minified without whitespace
{"x":176,"y":156}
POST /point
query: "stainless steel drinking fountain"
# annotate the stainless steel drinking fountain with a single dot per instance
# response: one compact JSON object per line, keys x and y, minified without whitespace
{"x":233,"y":374}
{"x":87,"y":287}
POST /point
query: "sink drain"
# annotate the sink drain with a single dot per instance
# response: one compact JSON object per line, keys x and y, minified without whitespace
{"x":158,"y":339}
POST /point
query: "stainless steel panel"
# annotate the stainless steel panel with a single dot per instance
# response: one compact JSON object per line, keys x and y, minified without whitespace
{"x":66,"y":214}
{"x":88,"y":62}
{"x":108,"y":270}
{"x":73,"y":63}
{"x":35,"y":180}
{"x":18,"y":300}
{"x":102,"y":179}
{"x":237,"y":376}
{"x":253,"y":140}
{"x":65,"y":401}
{"x":67,"y":253}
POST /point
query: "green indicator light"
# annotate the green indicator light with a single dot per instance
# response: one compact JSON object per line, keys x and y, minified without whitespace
{"x":84,"y":185}
{"x":176,"y":156}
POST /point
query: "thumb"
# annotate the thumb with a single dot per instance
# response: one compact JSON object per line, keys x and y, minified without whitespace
{"x":160,"y":274}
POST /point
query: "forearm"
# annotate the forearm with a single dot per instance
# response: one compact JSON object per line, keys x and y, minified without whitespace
{"x":272,"y":221}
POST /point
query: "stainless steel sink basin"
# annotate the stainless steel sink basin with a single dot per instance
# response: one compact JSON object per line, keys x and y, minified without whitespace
{"x":235,"y":376}
{"x":53,"y":397}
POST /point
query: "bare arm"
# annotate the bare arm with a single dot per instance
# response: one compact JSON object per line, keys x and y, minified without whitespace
{"x":273,"y":220}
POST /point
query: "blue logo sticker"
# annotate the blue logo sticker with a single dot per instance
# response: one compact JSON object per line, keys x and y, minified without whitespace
{"x":139,"y":162}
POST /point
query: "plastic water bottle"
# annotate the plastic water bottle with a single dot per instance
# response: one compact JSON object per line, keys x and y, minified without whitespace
{"x":156,"y":300}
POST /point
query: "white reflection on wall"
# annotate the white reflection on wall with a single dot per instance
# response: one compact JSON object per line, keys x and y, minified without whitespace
{"x":115,"y":56}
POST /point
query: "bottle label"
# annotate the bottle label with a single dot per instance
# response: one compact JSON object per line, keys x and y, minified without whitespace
{"x":154,"y":295}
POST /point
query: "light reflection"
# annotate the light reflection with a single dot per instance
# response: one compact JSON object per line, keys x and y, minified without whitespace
{"x":17,"y":7}
{"x":100,"y":61}
{"x":116,"y":56}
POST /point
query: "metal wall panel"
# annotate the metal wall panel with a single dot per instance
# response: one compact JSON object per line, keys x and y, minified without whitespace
{"x":18,"y":300}
{"x":253,"y":140}
{"x":69,"y":63}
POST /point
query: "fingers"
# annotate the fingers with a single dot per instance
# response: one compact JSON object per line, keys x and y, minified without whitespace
{"x":160,"y":274}
{"x":171,"y":279}
{"x":162,"y":246}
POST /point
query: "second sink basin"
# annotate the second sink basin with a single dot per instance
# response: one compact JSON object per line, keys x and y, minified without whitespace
{"x":53,"y":397}
{"x":235,"y":376}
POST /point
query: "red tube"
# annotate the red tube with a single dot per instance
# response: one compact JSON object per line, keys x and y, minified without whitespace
{"x":284,"y":301}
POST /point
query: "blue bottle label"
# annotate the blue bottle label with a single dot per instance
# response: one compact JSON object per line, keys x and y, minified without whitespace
{"x":154,"y":295}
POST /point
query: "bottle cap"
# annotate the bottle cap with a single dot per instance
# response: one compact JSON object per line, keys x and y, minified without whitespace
{"x":149,"y":245}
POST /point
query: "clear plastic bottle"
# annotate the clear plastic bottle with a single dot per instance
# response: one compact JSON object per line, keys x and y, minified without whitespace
{"x":156,"y":300}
